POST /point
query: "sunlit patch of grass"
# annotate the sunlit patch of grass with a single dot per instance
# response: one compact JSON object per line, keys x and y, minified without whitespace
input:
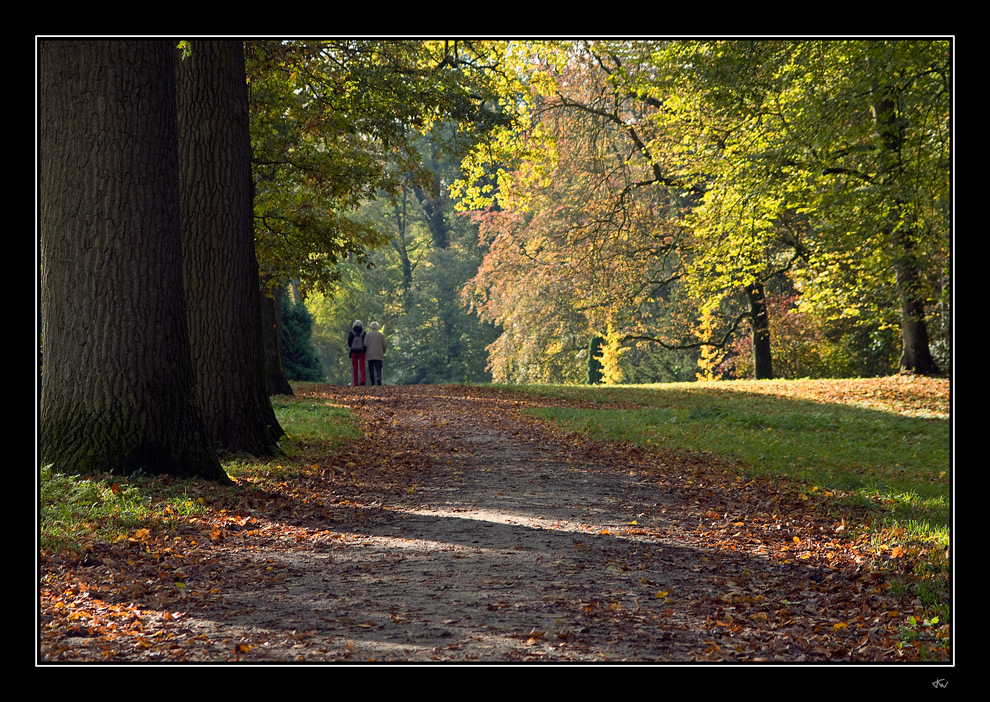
{"x":309,"y":422}
{"x":312,"y":426}
{"x":849,"y":450}
{"x":905,"y":460}
{"x":75,"y":510}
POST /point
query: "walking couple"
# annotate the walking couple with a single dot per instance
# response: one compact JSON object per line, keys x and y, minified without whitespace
{"x":367,"y":346}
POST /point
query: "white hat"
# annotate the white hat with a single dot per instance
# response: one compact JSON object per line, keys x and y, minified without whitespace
{"x":374,"y":325}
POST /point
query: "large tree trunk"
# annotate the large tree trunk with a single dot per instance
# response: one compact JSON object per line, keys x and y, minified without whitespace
{"x":221,"y":275}
{"x":118,"y":393}
{"x":760,"y":325}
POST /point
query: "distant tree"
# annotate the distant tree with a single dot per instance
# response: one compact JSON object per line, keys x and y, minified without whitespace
{"x":334,"y":125}
{"x":594,"y":360}
{"x":298,"y":356}
{"x":119,"y":390}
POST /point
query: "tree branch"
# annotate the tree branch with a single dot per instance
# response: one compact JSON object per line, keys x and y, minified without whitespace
{"x":681,"y":347}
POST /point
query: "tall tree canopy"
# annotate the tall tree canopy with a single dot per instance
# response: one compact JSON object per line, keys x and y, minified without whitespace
{"x":710,"y":170}
{"x":334,"y":124}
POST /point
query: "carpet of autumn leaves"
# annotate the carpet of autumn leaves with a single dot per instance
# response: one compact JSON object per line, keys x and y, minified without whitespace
{"x":780,"y":574}
{"x":910,"y":395}
{"x":823,"y":560}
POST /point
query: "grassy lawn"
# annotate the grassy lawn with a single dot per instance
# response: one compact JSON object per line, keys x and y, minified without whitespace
{"x":867,"y":447}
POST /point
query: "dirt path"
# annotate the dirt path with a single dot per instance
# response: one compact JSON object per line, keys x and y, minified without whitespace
{"x":466,"y":531}
{"x":509,"y":543}
{"x":507,"y":549}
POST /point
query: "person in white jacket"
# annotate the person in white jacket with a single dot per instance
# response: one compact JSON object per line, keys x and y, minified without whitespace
{"x":375,"y":346}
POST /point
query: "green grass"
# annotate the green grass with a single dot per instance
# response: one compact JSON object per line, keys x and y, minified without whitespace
{"x":309,"y":421}
{"x":899,"y":465}
{"x":76,"y":510}
{"x":310,"y":425}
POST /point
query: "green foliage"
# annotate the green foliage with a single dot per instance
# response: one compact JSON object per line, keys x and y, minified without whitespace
{"x":298,"y":355}
{"x":431,"y":337}
{"x":334,"y":314}
{"x":413,"y":287}
{"x":689,"y":171}
{"x":644,"y":364}
{"x":339,"y":151}
{"x":595,"y":376}
{"x":805,"y":345}
{"x":835,"y":154}
{"x":333,"y":125}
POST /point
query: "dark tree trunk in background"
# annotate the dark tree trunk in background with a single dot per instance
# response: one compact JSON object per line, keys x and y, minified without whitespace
{"x":915,"y":349}
{"x":594,"y":376}
{"x":271,"y":317}
{"x":118,"y":393}
{"x":221,"y":273}
{"x":434,"y":204}
{"x":400,"y":242}
{"x":760,"y":324}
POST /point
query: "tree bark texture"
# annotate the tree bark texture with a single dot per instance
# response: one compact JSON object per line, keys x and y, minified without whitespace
{"x":220,"y":270}
{"x":118,"y":392}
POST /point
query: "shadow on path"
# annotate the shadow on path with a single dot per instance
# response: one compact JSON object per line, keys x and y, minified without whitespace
{"x":512,"y":548}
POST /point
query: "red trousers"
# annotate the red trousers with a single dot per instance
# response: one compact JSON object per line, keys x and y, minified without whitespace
{"x":357,"y":368}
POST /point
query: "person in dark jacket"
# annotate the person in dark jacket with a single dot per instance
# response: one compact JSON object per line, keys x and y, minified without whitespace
{"x":355,"y":342}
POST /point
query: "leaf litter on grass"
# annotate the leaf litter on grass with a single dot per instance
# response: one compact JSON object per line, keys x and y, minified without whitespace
{"x":470,"y":532}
